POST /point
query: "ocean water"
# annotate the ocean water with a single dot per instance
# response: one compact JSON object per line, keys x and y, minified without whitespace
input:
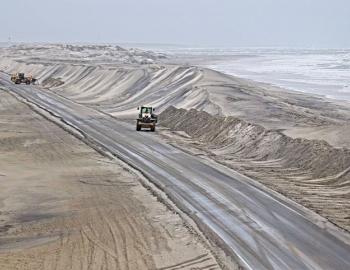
{"x":322,"y":72}
{"x":318,"y":71}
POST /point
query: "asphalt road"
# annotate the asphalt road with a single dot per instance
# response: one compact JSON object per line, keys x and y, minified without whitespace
{"x":260,"y":228}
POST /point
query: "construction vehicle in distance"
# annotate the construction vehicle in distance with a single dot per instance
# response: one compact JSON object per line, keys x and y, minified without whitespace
{"x":19,"y":78}
{"x":146,"y":119}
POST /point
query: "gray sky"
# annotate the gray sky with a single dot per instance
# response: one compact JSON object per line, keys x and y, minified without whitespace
{"x":302,"y":23}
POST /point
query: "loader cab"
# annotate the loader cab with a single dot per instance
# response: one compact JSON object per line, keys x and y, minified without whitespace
{"x":145,"y":111}
{"x":146,"y":118}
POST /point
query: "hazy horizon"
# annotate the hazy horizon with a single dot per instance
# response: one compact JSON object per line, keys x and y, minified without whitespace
{"x":207,"y":23}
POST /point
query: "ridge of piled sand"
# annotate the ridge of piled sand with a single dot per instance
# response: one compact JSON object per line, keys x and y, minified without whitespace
{"x":230,"y":135}
{"x":312,"y":172}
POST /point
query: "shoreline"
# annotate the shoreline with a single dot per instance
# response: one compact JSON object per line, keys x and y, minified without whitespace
{"x":322,"y":72}
{"x":284,"y":88}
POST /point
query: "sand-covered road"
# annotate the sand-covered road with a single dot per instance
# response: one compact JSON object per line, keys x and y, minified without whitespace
{"x":263,"y":229}
{"x":63,"y":206}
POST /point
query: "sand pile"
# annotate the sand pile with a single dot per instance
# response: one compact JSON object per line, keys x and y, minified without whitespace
{"x":233,"y":136}
{"x":311,"y":172}
{"x":51,"y":82}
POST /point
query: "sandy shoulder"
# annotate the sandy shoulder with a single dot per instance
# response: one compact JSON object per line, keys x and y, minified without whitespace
{"x":63,"y":206}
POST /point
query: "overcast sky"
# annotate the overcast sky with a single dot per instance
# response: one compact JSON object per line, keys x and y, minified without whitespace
{"x":301,"y":23}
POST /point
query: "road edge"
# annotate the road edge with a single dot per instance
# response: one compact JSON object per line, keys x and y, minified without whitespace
{"x":225,"y":260}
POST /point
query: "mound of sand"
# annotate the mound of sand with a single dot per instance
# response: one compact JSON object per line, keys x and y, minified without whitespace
{"x":231,"y":135}
{"x":311,"y":172}
{"x":52,"y":82}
